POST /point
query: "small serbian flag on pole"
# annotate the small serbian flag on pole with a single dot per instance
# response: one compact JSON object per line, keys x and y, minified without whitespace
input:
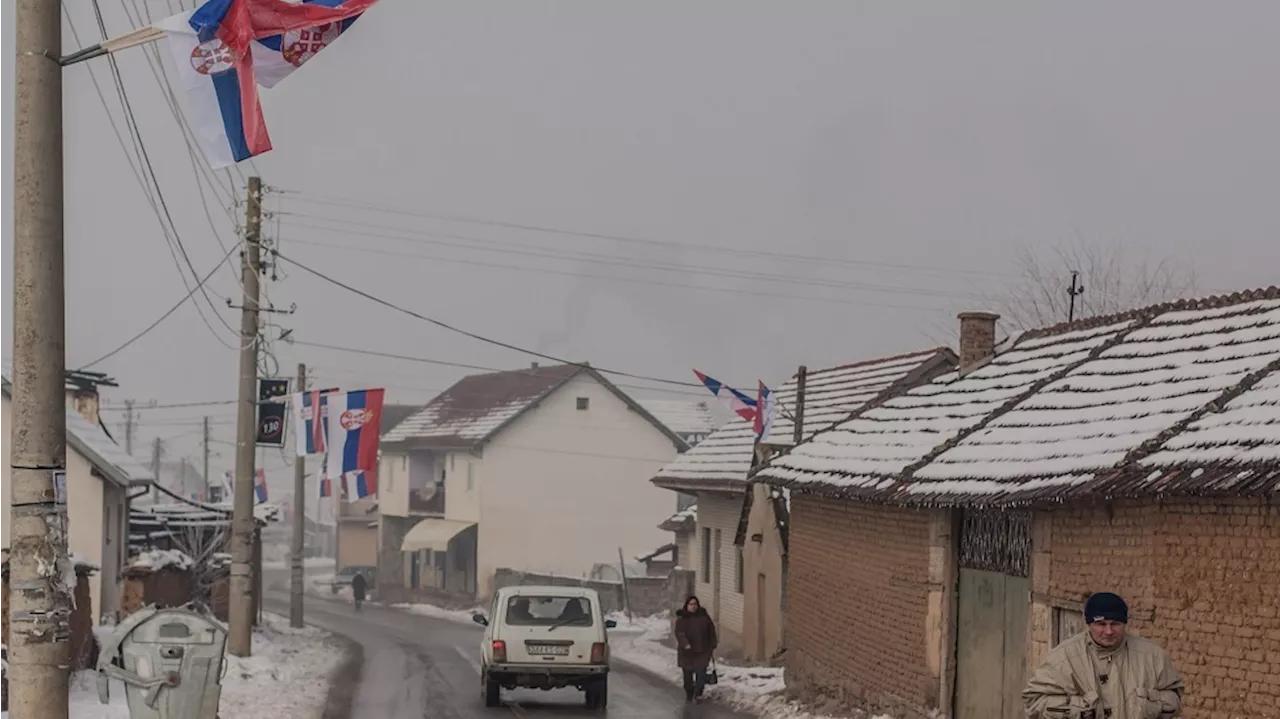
{"x":326,"y":487}
{"x":260,"y":485}
{"x":741,"y":404}
{"x":310,"y":412}
{"x":355,"y":422}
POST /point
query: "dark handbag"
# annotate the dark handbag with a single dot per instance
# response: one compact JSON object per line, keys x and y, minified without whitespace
{"x":713,"y":676}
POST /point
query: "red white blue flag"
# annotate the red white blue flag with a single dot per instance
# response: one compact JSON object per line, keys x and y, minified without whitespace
{"x":763,"y":420}
{"x":741,"y":404}
{"x":214,"y":54}
{"x":310,"y":418}
{"x":260,"y":485}
{"x":355,"y":423}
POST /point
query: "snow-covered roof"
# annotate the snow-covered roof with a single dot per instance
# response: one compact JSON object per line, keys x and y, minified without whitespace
{"x":830,"y":396}
{"x":95,"y":445}
{"x":683,"y":417}
{"x":1192,"y":383}
{"x":475,"y":408}
{"x":681,"y":521}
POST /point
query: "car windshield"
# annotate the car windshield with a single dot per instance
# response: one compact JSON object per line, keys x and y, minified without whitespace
{"x":548,"y":611}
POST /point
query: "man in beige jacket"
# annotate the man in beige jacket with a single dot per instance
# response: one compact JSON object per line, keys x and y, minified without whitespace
{"x":1104,"y":672}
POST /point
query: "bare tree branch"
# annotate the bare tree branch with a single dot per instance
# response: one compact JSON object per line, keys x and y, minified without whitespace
{"x":1112,"y":280}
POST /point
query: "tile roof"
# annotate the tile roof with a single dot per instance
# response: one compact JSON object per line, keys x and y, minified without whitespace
{"x":684,"y":417}
{"x":1072,"y":410}
{"x":830,"y":396}
{"x":475,"y":408}
{"x":95,"y":445}
{"x":682,"y":521}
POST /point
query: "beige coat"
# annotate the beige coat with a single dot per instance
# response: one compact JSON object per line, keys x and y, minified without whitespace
{"x":1142,"y":682}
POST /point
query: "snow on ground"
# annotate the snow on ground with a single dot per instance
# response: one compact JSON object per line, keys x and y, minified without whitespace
{"x":461,"y":616}
{"x":286,"y":678}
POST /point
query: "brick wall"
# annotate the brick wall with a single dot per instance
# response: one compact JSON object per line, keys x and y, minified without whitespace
{"x":857,"y":603}
{"x":1201,"y":578}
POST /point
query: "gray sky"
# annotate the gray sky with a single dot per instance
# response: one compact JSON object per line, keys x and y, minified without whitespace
{"x":935,"y":138}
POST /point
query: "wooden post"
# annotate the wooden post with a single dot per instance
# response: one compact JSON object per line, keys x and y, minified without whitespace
{"x":626,"y":592}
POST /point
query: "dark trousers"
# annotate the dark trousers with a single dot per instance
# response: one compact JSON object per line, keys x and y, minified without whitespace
{"x":695,"y":682}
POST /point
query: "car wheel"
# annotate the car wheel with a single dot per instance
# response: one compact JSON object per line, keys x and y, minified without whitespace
{"x":492,"y":692}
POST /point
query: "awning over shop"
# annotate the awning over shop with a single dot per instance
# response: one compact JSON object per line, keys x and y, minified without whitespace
{"x":433,"y":534}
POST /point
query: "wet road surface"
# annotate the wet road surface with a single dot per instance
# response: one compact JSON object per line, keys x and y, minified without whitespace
{"x":418,"y":667}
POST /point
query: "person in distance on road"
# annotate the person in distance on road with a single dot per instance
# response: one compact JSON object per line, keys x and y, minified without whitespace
{"x":696,"y":638}
{"x":358,"y":588}
{"x":1105,"y":672}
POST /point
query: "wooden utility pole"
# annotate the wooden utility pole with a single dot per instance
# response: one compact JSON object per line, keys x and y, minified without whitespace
{"x":205,"y":452}
{"x":39,"y":603}
{"x":801,"y":377}
{"x":1075,"y":290}
{"x":129,"y":419}
{"x":299,"y":519}
{"x":241,"y":614}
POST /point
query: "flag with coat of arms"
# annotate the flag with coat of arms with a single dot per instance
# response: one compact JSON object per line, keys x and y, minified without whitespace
{"x":354,"y":427}
{"x":225,"y":48}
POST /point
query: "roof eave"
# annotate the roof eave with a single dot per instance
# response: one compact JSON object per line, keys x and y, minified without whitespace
{"x":678,"y":484}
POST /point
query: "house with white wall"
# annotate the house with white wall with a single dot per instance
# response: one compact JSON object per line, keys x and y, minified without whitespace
{"x":541,"y":469}
{"x":741,"y":582}
{"x":99,"y":473}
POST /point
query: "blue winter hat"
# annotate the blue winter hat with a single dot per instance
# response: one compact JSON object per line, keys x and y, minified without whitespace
{"x":1106,"y":606}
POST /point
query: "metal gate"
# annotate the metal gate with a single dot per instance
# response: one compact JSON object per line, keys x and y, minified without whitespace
{"x":992,"y":609}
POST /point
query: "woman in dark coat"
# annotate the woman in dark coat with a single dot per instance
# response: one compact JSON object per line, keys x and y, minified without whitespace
{"x":358,"y":588}
{"x":696,"y":640}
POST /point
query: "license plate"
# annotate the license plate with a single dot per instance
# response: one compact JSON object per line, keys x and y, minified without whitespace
{"x":550,"y":650}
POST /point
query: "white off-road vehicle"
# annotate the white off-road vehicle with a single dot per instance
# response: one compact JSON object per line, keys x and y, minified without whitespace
{"x":545,"y":638}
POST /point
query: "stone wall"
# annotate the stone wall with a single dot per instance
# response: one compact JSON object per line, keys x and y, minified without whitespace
{"x":648,"y":595}
{"x":858,"y":595}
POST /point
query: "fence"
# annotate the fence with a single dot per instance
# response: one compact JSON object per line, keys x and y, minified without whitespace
{"x":648,"y":595}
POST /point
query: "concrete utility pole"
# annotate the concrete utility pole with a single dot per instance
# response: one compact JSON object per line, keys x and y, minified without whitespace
{"x":299,"y":521}
{"x":129,"y":419}
{"x":240,"y":638}
{"x":205,"y":451}
{"x":39,"y":604}
{"x":802,"y":377}
{"x":155,"y":468}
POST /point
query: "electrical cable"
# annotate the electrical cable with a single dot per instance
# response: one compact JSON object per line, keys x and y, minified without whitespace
{"x":481,"y":338}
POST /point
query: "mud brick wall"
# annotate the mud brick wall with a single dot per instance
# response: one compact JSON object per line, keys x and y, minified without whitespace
{"x":1202,"y":579}
{"x":857,"y":600}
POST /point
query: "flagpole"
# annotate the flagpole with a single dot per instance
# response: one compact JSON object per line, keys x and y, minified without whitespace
{"x":141,"y":36}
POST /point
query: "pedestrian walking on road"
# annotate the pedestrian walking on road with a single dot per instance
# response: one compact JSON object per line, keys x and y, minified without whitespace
{"x":697,"y":640}
{"x":358,"y":588}
{"x":1105,"y":672}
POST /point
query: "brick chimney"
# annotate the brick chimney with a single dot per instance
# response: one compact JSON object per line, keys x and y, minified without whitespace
{"x":977,"y":338}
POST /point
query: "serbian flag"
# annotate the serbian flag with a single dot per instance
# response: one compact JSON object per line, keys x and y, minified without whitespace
{"x":213,"y":52}
{"x":355,"y":423}
{"x":260,"y":485}
{"x":742,"y":405}
{"x":310,"y":421}
{"x":763,"y":420}
{"x":277,"y":56}
{"x":326,"y":487}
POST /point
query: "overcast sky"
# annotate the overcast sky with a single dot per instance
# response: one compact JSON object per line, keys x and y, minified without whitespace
{"x":879,"y":163}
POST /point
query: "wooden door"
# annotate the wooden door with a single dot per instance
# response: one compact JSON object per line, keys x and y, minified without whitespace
{"x":992,"y":610}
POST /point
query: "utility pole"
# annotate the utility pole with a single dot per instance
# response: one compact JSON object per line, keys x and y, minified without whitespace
{"x":240,"y":638}
{"x":205,"y":451}
{"x":39,"y":604}
{"x":1075,"y":290}
{"x":155,"y":469}
{"x":129,"y":419}
{"x":801,"y":377}
{"x":299,"y":521}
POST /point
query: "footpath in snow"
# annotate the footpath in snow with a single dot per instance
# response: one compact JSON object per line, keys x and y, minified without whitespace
{"x":287,"y":677}
{"x":641,"y":641}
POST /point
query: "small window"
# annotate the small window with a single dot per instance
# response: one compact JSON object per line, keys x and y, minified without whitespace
{"x":471,"y":476}
{"x":584,"y":402}
{"x":706,"y":555}
{"x":737,"y":570}
{"x":1066,"y":624}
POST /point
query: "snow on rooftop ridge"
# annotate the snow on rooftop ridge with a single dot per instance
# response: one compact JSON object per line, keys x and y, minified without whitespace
{"x":831,"y":395}
{"x":881,"y":443}
{"x":1245,"y":431}
{"x":684,"y":417}
{"x":1095,"y":416}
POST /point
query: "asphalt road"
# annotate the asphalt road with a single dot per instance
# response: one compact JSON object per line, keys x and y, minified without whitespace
{"x":418,"y":667}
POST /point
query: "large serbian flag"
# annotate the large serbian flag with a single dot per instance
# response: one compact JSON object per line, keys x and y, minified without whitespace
{"x":355,"y":422}
{"x":214,"y":53}
{"x":277,"y":56}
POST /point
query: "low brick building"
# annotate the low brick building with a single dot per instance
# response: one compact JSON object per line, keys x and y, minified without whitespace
{"x":1137,"y":453}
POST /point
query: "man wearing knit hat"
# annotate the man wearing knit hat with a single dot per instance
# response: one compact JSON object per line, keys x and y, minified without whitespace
{"x":1105,"y":672}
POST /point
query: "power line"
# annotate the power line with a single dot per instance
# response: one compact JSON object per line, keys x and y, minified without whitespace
{"x":161,"y":318}
{"x":297,"y":196}
{"x":512,"y":248}
{"x":481,"y":338}
{"x":140,"y":408}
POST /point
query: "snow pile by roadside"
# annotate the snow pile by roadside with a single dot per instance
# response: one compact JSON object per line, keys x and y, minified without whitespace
{"x":461,"y":616}
{"x":158,"y":559}
{"x":287,"y":677}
